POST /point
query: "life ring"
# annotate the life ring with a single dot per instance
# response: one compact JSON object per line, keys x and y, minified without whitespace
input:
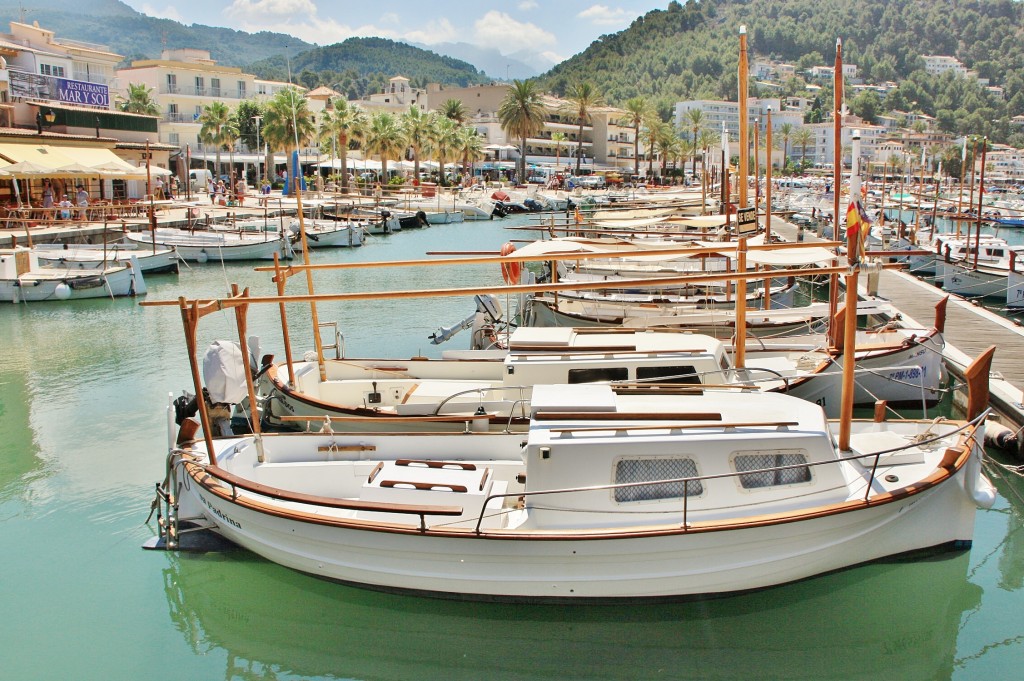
{"x":510,"y":271}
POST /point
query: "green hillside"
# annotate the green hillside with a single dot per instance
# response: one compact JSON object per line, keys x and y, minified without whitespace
{"x":138,"y":36}
{"x":360,"y":66}
{"x":689,"y":51}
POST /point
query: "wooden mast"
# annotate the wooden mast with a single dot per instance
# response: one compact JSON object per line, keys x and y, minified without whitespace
{"x":837,"y":177}
{"x":981,"y":201}
{"x":960,"y":198}
{"x":853,"y":258}
{"x":741,"y":286}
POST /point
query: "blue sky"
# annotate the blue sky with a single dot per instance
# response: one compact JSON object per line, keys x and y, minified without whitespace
{"x":552,"y":29}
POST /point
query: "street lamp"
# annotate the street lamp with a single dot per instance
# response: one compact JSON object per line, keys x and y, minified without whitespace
{"x":44,"y":119}
{"x":258,"y":164}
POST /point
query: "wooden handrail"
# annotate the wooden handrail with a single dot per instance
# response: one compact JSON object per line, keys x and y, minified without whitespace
{"x":348,"y":504}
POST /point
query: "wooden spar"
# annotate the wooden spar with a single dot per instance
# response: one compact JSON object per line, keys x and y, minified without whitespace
{"x":741,"y":305}
{"x":240,"y":321}
{"x":960,"y":197}
{"x":757,"y":165}
{"x":768,"y":181}
{"x":837,"y":169}
{"x":920,"y":196}
{"x":280,"y":278}
{"x":977,"y":375}
{"x":881,"y":212}
{"x":744,"y":152}
{"x":484,"y":260}
{"x":191,"y":312}
{"x":218,"y":303}
{"x":970,"y":202}
{"x":981,"y":201}
{"x":741,"y":265}
{"x":853,"y":241}
{"x":935,"y":203}
{"x":317,"y":343}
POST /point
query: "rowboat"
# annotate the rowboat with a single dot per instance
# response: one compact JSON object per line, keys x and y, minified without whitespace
{"x":22,"y":279}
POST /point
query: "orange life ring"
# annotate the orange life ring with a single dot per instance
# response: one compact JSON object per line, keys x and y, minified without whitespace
{"x":510,"y":271}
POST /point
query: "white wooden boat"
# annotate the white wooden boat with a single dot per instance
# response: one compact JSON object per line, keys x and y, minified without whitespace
{"x":22,"y":279}
{"x":203,"y":246}
{"x":328,"y":233}
{"x":612,"y":494}
{"x":92,"y":257}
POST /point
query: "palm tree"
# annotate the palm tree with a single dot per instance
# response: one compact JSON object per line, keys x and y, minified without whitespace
{"x":522,"y":114}
{"x":288,"y":124}
{"x":695,"y":117}
{"x":583,"y":99}
{"x":470,"y":145}
{"x":455,"y":110}
{"x":637,"y":109}
{"x":218,"y":128}
{"x":803,"y":138}
{"x":445,"y":139}
{"x":653,"y":129}
{"x":786,"y":129}
{"x":418,"y":127}
{"x":347,"y":123}
{"x":385,"y":138}
{"x":558,"y":138}
{"x":139,"y":100}
{"x":706,"y":139}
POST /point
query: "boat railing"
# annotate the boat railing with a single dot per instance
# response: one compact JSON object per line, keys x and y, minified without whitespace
{"x":873,"y":457}
{"x":481,"y":391}
{"x":339,"y":339}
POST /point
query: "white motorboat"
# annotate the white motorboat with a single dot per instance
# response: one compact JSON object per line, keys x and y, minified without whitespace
{"x":23,"y":280}
{"x":612,"y":494}
{"x":93,"y":257}
{"x":202,"y":246}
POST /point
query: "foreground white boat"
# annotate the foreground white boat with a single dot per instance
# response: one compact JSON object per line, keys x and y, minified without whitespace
{"x":23,"y":280}
{"x":613,"y":494}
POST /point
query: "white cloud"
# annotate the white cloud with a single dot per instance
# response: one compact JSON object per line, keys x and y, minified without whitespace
{"x":166,"y":13}
{"x":497,"y":28}
{"x":439,"y":31}
{"x":553,"y":57}
{"x":602,"y":15}
{"x":263,"y":12}
{"x":526,"y":5}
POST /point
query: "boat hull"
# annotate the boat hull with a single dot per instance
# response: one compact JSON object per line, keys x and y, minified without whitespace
{"x":557,"y":566}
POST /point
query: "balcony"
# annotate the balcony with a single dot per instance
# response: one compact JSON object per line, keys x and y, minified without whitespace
{"x":209,"y":92}
{"x":179,"y":118}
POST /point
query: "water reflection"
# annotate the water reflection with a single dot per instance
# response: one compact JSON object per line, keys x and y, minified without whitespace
{"x":879,"y":621}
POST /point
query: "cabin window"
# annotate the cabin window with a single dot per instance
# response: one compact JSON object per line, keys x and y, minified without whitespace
{"x":642,"y":470}
{"x":770,"y":467}
{"x":674,"y":374}
{"x":598,"y":375}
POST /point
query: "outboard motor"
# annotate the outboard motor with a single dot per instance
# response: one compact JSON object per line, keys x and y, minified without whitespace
{"x":421,"y":218}
{"x":485,"y":323}
{"x":499,"y":210}
{"x":533,"y":204}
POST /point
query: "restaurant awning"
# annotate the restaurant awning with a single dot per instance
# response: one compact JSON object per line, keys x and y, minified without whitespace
{"x":44,"y":160}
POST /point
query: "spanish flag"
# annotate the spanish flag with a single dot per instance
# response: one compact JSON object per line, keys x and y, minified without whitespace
{"x":857,"y":226}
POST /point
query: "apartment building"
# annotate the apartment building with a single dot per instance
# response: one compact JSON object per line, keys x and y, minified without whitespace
{"x":606,"y":141}
{"x":184,"y":81}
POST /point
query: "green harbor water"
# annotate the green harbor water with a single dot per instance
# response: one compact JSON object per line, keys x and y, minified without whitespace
{"x":83,"y":391}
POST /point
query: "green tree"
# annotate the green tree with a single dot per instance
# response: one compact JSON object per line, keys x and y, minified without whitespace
{"x":288,"y":124}
{"x":786,"y":130}
{"x":445,"y":139}
{"x":636,"y":108}
{"x":521,"y":115}
{"x":385,"y":138}
{"x":418,"y":128}
{"x":695,"y":120}
{"x":803,"y":138}
{"x":558,"y":138}
{"x":347,"y":122}
{"x":139,"y":101}
{"x":583,"y":99}
{"x":455,"y":110}
{"x":245,"y":121}
{"x":470,"y":145}
{"x":218,"y":128}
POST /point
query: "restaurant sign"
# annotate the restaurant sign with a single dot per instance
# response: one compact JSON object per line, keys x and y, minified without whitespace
{"x":35,"y":86}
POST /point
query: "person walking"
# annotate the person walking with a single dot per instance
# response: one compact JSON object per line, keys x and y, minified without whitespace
{"x":48,"y":200}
